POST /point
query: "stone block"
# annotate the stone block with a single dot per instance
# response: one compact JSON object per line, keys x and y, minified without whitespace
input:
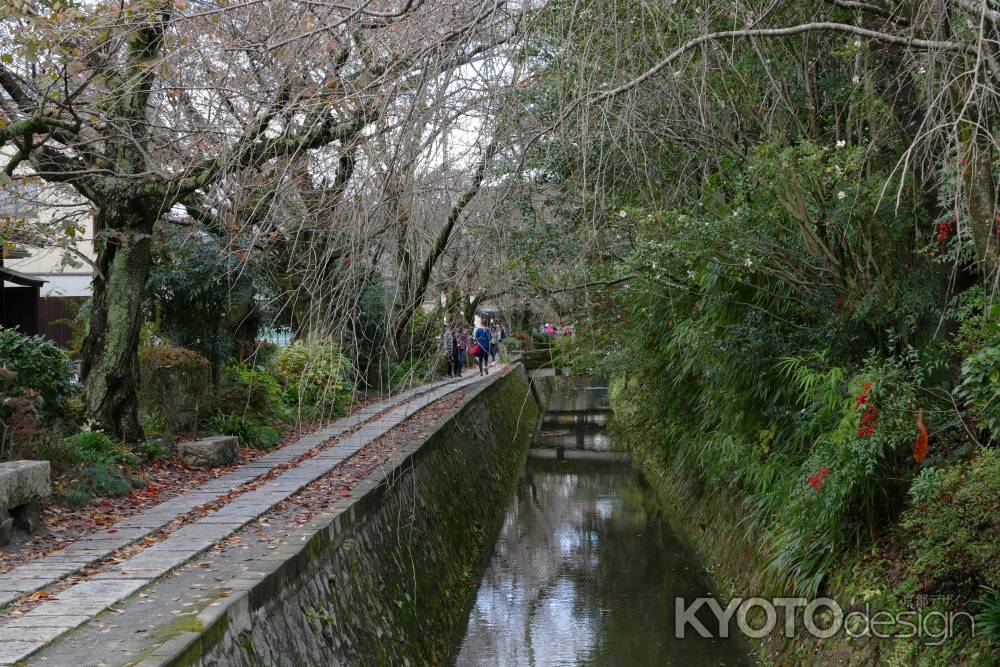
{"x":22,"y":482}
{"x":23,"y":485}
{"x":215,"y":452}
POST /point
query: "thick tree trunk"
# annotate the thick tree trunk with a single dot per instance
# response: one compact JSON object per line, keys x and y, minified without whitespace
{"x":110,"y":352}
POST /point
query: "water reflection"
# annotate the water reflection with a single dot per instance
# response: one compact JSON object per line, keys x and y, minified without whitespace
{"x":585,"y":573}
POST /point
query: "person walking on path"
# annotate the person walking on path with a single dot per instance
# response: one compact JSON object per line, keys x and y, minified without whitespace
{"x":495,"y":342}
{"x":448,"y":347}
{"x":461,"y":345}
{"x":483,"y":353}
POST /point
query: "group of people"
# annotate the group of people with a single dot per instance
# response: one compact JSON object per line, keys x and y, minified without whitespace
{"x":482,"y":345}
{"x":552,"y":330}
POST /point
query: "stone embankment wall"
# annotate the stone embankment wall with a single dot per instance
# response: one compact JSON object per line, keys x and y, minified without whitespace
{"x":386,"y":581}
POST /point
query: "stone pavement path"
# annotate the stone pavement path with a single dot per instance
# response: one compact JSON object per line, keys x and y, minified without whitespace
{"x":24,"y":635}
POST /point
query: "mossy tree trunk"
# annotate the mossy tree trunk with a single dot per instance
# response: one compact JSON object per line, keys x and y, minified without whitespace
{"x":123,"y":227}
{"x":110,"y":352}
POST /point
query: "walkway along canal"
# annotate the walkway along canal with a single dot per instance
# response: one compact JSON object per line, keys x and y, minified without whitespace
{"x":368,"y":554}
{"x":586,"y":568}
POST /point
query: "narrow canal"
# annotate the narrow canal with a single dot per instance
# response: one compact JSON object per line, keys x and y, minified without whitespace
{"x":586,"y":568}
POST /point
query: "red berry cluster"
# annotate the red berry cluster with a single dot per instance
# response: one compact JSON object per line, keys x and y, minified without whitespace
{"x":945,"y":230}
{"x":816,"y":481}
{"x":869,"y":420}
{"x":863,"y":396}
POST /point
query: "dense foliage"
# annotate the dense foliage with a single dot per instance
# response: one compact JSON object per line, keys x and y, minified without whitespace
{"x":786,"y":282}
{"x":37,"y":366}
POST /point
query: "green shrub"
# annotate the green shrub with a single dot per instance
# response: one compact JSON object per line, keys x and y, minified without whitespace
{"x":96,"y":448}
{"x":153,"y":425}
{"x":175,"y":383}
{"x":851,"y":477}
{"x":73,"y":496}
{"x":250,"y":432}
{"x":541,"y":341}
{"x":154,"y":449}
{"x":264,"y":354}
{"x":39,"y":366}
{"x":409,"y":372}
{"x":247,"y":390}
{"x":948,"y":542}
{"x":85,"y":482}
{"x":23,"y":430}
{"x":563,"y":351}
{"x":105,"y":479}
{"x":314,"y":376}
{"x":980,"y":388}
{"x":926,"y":485}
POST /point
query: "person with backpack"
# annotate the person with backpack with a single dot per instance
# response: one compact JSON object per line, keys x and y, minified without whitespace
{"x":481,"y":349}
{"x":449,"y":349}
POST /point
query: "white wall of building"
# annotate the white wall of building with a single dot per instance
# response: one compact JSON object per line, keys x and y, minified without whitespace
{"x":49,"y":208}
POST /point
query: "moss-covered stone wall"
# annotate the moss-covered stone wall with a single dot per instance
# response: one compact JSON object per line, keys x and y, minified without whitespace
{"x":388,"y":580}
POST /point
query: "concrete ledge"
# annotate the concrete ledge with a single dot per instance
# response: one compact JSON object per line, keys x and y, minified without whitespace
{"x":299,"y":572}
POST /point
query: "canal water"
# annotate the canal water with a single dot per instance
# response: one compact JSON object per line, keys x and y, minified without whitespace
{"x":586,"y":568}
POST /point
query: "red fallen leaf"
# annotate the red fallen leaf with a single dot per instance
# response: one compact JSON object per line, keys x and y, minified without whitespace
{"x":920,"y":447}
{"x":112,"y":531}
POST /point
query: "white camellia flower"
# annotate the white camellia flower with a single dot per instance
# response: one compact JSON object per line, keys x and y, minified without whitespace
{"x":841,"y":194}
{"x":622,"y":214}
{"x":748,"y":262}
{"x":841,"y":143}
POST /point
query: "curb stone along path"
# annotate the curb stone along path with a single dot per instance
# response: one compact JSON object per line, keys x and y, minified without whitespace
{"x":22,"y":636}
